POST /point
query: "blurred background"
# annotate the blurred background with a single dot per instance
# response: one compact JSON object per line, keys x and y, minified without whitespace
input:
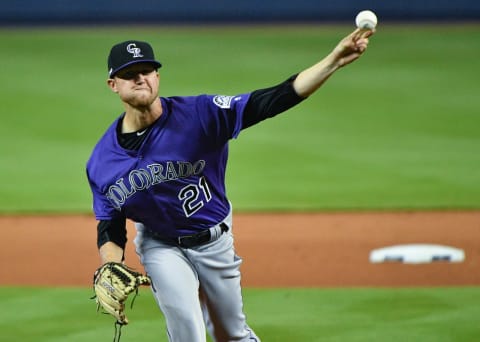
{"x":220,"y":11}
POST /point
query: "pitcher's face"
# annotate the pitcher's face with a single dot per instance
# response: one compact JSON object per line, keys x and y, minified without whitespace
{"x":137,"y":85}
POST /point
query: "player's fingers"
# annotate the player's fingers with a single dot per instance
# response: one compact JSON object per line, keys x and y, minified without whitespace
{"x":367,"y":33}
{"x":361,"y":48}
{"x":355,"y":34}
{"x":362,"y":42}
{"x":356,"y":31}
{"x":362,"y":33}
{"x":355,"y":41}
{"x":360,"y":45}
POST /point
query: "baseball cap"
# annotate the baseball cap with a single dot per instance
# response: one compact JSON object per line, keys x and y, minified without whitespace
{"x":128,"y":53}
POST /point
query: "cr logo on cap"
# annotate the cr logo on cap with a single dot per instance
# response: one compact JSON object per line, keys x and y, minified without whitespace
{"x":132,"y":48}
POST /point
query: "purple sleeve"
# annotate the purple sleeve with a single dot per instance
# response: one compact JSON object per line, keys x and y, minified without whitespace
{"x":223,"y":114}
{"x":96,"y":174}
{"x":101,"y":206}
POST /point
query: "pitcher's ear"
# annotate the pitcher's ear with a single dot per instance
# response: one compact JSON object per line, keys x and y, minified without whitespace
{"x":112,"y":85}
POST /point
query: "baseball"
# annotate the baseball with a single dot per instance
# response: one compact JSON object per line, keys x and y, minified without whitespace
{"x":366,"y":20}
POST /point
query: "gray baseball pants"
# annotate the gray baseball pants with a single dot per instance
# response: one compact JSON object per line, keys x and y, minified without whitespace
{"x":197,"y":288}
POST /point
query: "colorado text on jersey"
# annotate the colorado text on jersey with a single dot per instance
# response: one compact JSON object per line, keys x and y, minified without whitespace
{"x":142,"y":179}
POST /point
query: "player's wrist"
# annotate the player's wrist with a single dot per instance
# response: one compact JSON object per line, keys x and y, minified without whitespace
{"x":110,"y":252}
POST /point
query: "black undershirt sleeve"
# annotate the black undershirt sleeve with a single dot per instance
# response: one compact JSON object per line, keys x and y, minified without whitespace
{"x":114,"y":230}
{"x":268,"y":102}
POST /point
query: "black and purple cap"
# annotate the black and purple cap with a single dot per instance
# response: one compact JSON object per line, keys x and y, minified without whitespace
{"x":130,"y":52}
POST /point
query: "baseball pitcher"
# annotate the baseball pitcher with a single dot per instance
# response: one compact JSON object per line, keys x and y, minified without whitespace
{"x":162,"y":165}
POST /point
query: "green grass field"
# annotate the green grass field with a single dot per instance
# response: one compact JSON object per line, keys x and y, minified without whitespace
{"x":281,"y":315}
{"x":397,"y":129}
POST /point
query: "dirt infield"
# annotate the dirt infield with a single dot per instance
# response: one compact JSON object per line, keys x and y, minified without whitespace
{"x":279,"y":250}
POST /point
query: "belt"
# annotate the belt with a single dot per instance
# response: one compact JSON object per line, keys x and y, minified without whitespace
{"x":194,"y":240}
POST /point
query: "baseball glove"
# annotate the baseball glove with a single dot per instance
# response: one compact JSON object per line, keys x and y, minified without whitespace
{"x":113,"y":283}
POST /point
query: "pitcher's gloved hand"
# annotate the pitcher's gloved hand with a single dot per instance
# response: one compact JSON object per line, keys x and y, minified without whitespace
{"x":113,"y":283}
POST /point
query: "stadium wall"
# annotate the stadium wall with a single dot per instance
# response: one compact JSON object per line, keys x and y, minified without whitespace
{"x":62,"y":12}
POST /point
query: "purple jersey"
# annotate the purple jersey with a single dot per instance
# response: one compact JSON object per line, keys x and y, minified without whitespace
{"x":175,"y":183}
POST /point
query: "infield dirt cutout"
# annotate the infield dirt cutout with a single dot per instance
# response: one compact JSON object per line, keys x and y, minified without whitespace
{"x":278,"y":250}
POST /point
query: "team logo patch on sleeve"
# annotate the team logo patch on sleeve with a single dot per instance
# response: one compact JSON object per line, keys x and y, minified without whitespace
{"x":223,"y":101}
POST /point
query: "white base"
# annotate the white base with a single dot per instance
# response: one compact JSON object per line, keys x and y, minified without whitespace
{"x":417,"y":254}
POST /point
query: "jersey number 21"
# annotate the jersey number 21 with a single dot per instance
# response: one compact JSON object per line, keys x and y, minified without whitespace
{"x":191,"y":197}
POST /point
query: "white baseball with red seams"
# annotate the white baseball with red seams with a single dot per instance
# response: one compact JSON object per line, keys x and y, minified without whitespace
{"x":366,"y":20}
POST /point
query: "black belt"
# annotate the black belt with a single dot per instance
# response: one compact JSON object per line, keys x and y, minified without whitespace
{"x":194,"y":240}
